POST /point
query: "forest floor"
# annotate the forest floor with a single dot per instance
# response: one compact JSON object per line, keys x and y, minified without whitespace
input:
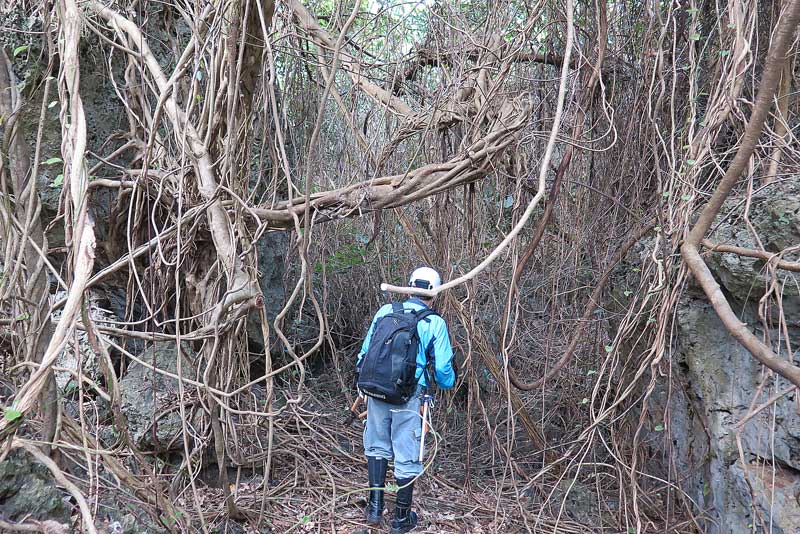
{"x":319,"y":483}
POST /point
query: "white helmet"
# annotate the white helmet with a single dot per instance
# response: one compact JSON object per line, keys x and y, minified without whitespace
{"x":425,"y":278}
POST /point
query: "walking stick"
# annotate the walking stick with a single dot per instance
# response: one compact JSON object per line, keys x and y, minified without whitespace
{"x":425,"y":404}
{"x":353,"y":412}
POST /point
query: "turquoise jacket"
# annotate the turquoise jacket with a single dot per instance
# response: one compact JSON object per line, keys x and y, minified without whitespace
{"x":434,"y":343}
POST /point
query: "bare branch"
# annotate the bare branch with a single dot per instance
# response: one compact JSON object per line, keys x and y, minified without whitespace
{"x":784,"y":34}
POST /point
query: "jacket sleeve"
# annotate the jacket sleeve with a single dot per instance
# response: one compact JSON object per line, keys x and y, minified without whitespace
{"x":442,"y":353}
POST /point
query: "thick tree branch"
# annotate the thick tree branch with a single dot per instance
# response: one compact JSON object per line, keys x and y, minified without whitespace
{"x":240,"y":286}
{"x":776,"y":57}
{"x":752,"y":253}
{"x":77,"y":222}
{"x":426,"y":57}
{"x":398,"y":190}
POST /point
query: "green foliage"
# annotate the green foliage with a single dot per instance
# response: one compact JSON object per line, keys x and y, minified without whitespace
{"x":11,"y":413}
{"x":346,"y":257}
{"x":71,"y":387}
{"x":170,"y":520}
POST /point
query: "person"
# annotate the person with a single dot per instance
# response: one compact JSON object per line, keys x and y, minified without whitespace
{"x":395,"y":431}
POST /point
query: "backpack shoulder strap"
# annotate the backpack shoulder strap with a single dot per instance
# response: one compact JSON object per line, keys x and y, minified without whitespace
{"x":397,"y":307}
{"x":424,"y":313}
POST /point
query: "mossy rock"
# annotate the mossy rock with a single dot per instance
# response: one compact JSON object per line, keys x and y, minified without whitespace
{"x":27,"y":490}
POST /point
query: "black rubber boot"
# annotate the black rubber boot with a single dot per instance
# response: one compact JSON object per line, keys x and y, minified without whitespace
{"x":404,"y":518}
{"x":376,"y":468}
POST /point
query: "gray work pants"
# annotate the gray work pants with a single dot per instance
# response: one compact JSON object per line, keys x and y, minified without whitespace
{"x":394,"y":431}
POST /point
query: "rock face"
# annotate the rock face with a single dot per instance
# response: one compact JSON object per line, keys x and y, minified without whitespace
{"x":745,"y":478}
{"x":82,"y":351}
{"x":27,"y":491}
{"x":149,"y":399}
{"x":720,"y":462}
{"x":271,"y":251}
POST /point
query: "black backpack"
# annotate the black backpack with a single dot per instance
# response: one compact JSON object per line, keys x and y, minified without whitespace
{"x":389,"y":368}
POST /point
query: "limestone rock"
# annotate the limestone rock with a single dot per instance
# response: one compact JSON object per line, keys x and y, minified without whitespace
{"x":27,"y":490}
{"x":149,"y":397}
{"x":81,"y":351}
{"x":743,"y":478}
{"x":271,"y":250}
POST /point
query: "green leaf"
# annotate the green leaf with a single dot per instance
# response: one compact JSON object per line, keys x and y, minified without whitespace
{"x":627,"y":292}
{"x":584,"y":401}
{"x":695,"y":37}
{"x":23,"y":317}
{"x":392,"y":487}
{"x":12,"y":414}
{"x":52,"y":161}
{"x":731,"y":25}
{"x":591,"y":372}
{"x":508,"y":201}
{"x":692,"y":10}
{"x":724,"y":52}
{"x":665,"y":194}
{"x":691,"y":161}
{"x":609,"y":348}
{"x":686,"y":198}
{"x":659,"y":428}
{"x":52,"y":104}
{"x":306,"y":520}
{"x":20,"y":49}
{"x":58,"y":181}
